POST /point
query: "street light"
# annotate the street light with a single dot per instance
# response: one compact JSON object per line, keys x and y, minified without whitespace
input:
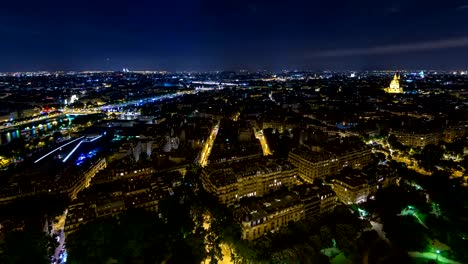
{"x":438,"y":252}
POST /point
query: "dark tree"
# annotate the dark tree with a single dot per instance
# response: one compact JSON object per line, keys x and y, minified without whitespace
{"x":395,"y":144}
{"x":430,"y":156}
{"x":407,"y":233}
{"x":84,"y":119}
{"x":27,"y":247}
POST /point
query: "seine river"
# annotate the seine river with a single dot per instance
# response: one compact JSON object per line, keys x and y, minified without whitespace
{"x":34,"y":129}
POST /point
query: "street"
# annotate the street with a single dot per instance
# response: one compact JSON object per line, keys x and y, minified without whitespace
{"x":266,"y":149}
{"x":206,"y":150}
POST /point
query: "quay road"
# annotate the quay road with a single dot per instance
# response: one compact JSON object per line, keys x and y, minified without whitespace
{"x":105,"y":108}
{"x":34,"y":120}
{"x":114,"y":107}
{"x":111,"y":107}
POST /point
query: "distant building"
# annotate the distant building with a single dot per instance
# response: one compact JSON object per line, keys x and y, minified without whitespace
{"x":421,"y":138}
{"x":29,"y":112}
{"x":230,"y":182}
{"x":277,"y":123}
{"x":394,"y":87}
{"x":453,"y":133}
{"x":7,"y":116}
{"x":417,"y":139}
{"x":269,"y":215}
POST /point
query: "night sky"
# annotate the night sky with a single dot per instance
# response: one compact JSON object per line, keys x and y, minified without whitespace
{"x":229,"y":35}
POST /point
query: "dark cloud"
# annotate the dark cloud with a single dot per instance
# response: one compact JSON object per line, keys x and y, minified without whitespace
{"x":397,"y":48}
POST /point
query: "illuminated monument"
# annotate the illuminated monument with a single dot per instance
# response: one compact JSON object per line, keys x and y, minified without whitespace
{"x":394,"y":85}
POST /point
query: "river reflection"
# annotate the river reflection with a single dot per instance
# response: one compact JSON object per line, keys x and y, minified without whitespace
{"x":34,"y":130}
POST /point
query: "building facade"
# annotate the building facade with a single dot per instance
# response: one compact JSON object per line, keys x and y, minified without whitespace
{"x":140,"y":193}
{"x":415,"y":139}
{"x":318,"y":200}
{"x":269,"y":215}
{"x":421,"y":139}
{"x":230,"y":182}
{"x":84,"y":180}
{"x":352,"y":189}
{"x":312,"y":165}
{"x":394,"y":87}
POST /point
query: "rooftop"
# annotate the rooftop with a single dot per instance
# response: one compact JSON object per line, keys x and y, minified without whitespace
{"x":257,"y":209}
{"x":352,"y":181}
{"x":226,"y":173}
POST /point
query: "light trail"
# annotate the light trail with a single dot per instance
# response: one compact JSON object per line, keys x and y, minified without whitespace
{"x":73,"y":150}
{"x":96,"y":138}
{"x":57,"y":149}
{"x":78,"y":145}
{"x":206,"y":150}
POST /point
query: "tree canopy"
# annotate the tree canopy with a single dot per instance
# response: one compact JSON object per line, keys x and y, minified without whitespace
{"x":136,"y":237}
{"x":27,"y":246}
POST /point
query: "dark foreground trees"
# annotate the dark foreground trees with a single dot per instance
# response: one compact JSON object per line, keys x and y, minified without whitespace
{"x":135,"y":237}
{"x":27,"y":247}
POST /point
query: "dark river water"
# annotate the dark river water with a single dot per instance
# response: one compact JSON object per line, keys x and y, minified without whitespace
{"x":34,"y":129}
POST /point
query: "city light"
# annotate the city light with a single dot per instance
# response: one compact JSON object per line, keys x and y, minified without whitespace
{"x":245,"y":157}
{"x":57,"y":149}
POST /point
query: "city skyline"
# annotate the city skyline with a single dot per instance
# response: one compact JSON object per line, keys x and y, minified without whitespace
{"x":248,"y":131}
{"x":349,"y":161}
{"x":251,"y":35}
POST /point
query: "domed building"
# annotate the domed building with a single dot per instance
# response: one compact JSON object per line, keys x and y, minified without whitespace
{"x":394,"y":85}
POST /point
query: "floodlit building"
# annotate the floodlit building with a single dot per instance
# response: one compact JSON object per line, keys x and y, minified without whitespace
{"x":394,"y":86}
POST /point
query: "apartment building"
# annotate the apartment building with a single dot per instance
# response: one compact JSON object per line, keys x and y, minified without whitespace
{"x":352,"y":189}
{"x":269,"y":215}
{"x":247,"y":178}
{"x":317,"y":163}
{"x":318,"y":200}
